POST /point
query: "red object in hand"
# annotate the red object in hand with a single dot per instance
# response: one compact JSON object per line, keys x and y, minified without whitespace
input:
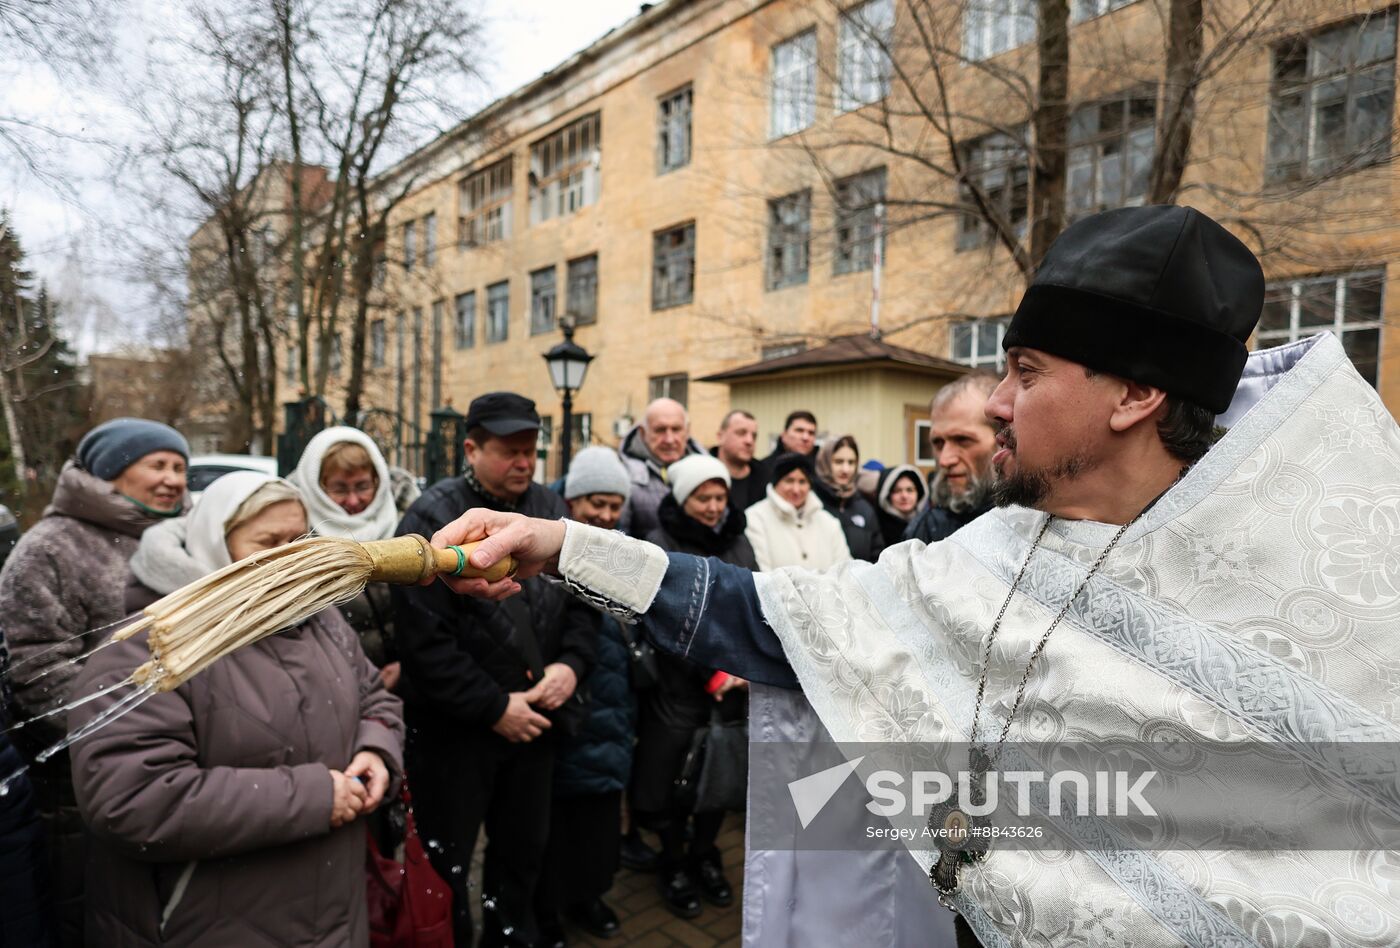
{"x":716,"y":682}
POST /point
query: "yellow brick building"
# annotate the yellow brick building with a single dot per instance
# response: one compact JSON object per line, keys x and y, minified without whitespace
{"x":711,"y":183}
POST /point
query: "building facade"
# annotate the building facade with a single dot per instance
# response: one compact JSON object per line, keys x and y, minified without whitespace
{"x":721,"y":181}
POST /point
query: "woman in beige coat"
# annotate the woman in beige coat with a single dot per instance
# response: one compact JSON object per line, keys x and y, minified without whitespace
{"x":791,"y":527}
{"x":228,"y":812}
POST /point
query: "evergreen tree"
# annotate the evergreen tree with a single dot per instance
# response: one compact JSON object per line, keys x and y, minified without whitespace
{"x":41,"y":394}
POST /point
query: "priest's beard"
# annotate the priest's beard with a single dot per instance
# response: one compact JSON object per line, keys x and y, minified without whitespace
{"x":979,"y":489}
{"x":1028,"y":487}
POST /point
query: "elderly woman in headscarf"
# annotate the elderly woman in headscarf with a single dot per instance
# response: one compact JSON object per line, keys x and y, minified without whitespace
{"x":349,"y":492}
{"x":227,"y":812}
{"x":63,"y":579}
{"x":838,"y":463}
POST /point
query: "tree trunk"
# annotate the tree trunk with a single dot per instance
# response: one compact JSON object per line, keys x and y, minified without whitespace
{"x":297,"y":210}
{"x":1051,"y":124}
{"x":371,"y":233}
{"x":12,"y":430}
{"x":1185,"y":41}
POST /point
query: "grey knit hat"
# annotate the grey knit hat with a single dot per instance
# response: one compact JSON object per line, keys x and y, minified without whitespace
{"x":115,"y":445}
{"x":597,"y":470}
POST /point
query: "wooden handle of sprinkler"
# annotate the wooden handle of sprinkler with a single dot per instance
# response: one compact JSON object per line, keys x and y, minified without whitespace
{"x":411,"y":559}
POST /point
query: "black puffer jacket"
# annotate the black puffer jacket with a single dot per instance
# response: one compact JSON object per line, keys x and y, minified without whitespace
{"x":599,"y":758}
{"x":461,"y":655}
{"x":858,"y":519}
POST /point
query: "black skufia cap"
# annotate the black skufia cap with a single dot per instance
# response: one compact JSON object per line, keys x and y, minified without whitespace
{"x":503,"y":414}
{"x":1161,"y":295}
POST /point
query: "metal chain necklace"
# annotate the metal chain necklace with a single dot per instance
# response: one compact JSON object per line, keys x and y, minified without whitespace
{"x":959,"y":838}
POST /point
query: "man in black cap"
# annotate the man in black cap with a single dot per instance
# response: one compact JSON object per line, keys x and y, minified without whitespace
{"x":487,"y":685}
{"x":1147,"y":577}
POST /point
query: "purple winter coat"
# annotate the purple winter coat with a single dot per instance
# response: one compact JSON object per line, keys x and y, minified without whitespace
{"x":210,"y":805}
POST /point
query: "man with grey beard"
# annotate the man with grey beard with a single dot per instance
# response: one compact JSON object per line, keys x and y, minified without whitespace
{"x":963,"y":441}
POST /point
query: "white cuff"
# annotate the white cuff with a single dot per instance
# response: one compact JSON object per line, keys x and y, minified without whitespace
{"x":624,"y":571}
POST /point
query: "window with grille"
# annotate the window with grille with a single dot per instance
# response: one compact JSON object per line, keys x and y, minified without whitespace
{"x":991,"y":27}
{"x":337,"y":354}
{"x":484,"y":202}
{"x":794,"y":85}
{"x":977,"y":342}
{"x":429,"y":240}
{"x":410,"y":245}
{"x":464,"y":320}
{"x":863,"y":58}
{"x":673,"y":131}
{"x":999,"y":166}
{"x":673,"y":267}
{"x":1350,"y":305}
{"x":542,"y":298}
{"x":859,"y":205}
{"x":582,"y":300}
{"x":378,"y":344}
{"x":1331,"y":99}
{"x":669,"y":386}
{"x":498,"y":311}
{"x":789,"y":234}
{"x":565,"y":169}
{"x":1110,"y":157}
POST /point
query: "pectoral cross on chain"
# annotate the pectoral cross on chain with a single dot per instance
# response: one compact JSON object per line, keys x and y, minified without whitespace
{"x":959,"y":835}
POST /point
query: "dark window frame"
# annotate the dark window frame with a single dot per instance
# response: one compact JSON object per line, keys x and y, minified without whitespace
{"x":674,"y":122}
{"x":858,"y":201}
{"x":788,"y":258}
{"x":581,"y":289}
{"x":544,"y":300}
{"x":498,"y":329}
{"x":670,"y":288}
{"x":1307,"y":90}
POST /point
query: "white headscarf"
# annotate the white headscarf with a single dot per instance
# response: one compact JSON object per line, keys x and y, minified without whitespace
{"x":206,"y":533}
{"x":376,"y":522}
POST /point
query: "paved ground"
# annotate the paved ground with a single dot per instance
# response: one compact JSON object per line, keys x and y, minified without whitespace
{"x":646,"y":921}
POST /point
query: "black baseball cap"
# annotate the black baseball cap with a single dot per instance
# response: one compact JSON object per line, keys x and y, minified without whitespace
{"x":502,"y":414}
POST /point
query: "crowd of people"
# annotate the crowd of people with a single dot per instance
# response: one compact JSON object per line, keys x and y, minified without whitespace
{"x":233,"y":810}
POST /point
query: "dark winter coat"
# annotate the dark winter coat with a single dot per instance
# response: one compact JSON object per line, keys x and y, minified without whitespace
{"x":371,"y":615}
{"x":744,"y":492}
{"x":648,"y":483}
{"x":462,"y":656}
{"x":859,"y":521}
{"x":66,"y":576}
{"x":599,"y":758}
{"x":939,"y":523}
{"x":23,"y":889}
{"x":225,"y":783}
{"x":678,"y":704}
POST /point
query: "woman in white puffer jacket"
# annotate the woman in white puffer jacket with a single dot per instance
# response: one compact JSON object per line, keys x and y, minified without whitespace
{"x":791,"y":527}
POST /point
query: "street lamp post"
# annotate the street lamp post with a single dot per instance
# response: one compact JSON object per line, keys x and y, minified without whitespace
{"x":568,"y":364}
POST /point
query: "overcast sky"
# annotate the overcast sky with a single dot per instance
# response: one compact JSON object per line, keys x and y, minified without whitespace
{"x":71,"y":215}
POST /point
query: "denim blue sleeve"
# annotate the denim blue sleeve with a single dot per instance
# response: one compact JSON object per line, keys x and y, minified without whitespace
{"x":707,"y":611}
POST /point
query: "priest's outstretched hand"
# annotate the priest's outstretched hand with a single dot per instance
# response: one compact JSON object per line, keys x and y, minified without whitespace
{"x":535,"y":544}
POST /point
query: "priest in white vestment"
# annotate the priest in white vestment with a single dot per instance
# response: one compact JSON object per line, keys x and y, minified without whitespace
{"x":1141,"y":577}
